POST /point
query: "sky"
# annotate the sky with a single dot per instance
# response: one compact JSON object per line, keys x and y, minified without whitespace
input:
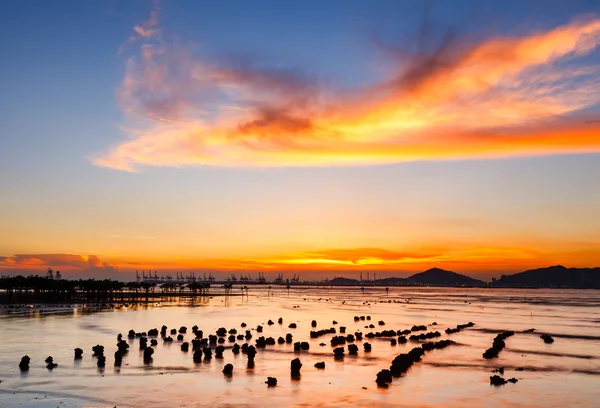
{"x":320,"y":138}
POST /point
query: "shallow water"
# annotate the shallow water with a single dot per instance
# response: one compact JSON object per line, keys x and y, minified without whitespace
{"x":563,"y":374}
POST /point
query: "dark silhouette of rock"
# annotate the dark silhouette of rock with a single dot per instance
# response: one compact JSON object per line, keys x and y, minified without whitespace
{"x":168,"y":339}
{"x":381,"y":323}
{"x":251,"y":352}
{"x":350,"y":338}
{"x":163,"y":331}
{"x":280,"y":320}
{"x":123,"y":346}
{"x":338,"y":353}
{"x":496,"y":380}
{"x":259,"y":329}
{"x":499,"y":370}
{"x":320,"y":365}
{"x":199,"y":334}
{"x":342,"y":329}
{"x":338,"y":340}
{"x":547,"y":338}
{"x":131,"y":334}
{"x":292,"y":326}
{"x":118,"y":358}
{"x":78,"y":353}
{"x":393,"y":342}
{"x":418,"y":328}
{"x":334,"y":322}
{"x":243,"y":324}
{"x":180,"y":337}
{"x":231,"y":338}
{"x":235,"y":349}
{"x":402,"y":340}
{"x":183,"y":330}
{"x":221,"y":340}
{"x":280,"y":340}
{"x":101,"y":361}
{"x":313,"y":323}
{"x":529,"y":331}
{"x":207,"y":353}
{"x":153,"y":332}
{"x":98,"y":350}
{"x":497,"y":345}
{"x":512,"y":380}
{"x":295,"y":367}
{"x":248,"y":335}
{"x":228,"y":370}
{"x":219,"y":352}
{"x":148,"y":352}
{"x":367,"y":347}
{"x":154,"y":342}
{"x":436,"y":345}
{"x":322,"y":332}
{"x":240,"y":337}
{"x":424,"y":336}
{"x":271,"y":381}
{"x":173,"y":331}
{"x":212,"y":339}
{"x":48,"y":360}
{"x":358,"y":336}
{"x":222,"y":331}
{"x":261,"y":342}
{"x":197,"y":357}
{"x":384,"y":378}
{"x":119,"y":337}
{"x":460,"y":327}
{"x":352,"y":349}
{"x":24,"y":363}
{"x":288,"y":338}
{"x":185,"y":347}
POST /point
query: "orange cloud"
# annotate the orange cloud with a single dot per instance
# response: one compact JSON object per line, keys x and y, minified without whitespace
{"x":70,"y":263}
{"x":504,"y":96}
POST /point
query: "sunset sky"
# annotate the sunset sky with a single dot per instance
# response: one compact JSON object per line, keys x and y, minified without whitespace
{"x":320,"y":137}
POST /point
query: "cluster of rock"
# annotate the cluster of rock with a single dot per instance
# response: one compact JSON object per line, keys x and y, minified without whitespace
{"x":404,"y":361}
{"x":424,"y":336}
{"x":459,"y":328}
{"x":498,"y":345}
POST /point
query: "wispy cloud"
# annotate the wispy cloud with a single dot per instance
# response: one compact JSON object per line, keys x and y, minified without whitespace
{"x":500,"y":96}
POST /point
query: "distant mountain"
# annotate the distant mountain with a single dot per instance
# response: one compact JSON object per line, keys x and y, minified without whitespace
{"x":343,"y":281}
{"x":441,"y":277}
{"x":391,"y":281}
{"x":556,"y":276}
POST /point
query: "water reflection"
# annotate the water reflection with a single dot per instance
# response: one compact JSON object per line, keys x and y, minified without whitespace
{"x":564,"y":373}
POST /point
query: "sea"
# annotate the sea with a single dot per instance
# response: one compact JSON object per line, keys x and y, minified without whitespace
{"x":565,"y":373}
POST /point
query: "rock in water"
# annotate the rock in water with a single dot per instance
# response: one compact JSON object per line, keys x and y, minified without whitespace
{"x":228,"y":369}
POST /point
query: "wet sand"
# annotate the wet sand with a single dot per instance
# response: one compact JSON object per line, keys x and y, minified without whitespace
{"x":564,"y":373}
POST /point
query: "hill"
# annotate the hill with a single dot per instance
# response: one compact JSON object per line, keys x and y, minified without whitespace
{"x":441,"y":277}
{"x":343,"y":281}
{"x":391,"y":281}
{"x":556,"y":276}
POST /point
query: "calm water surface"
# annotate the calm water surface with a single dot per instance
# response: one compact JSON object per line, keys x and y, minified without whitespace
{"x":563,"y":374}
